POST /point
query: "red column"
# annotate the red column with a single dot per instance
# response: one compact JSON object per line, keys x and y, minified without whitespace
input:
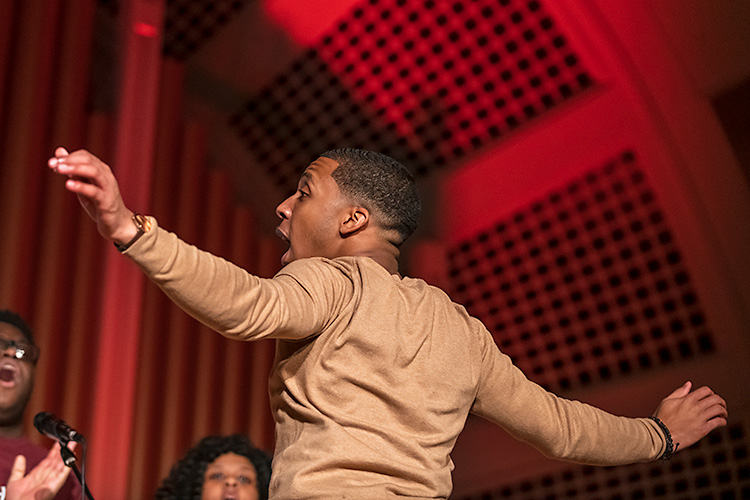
{"x":116,"y":372}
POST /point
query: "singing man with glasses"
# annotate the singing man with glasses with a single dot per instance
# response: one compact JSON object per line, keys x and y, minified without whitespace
{"x":18,"y":357}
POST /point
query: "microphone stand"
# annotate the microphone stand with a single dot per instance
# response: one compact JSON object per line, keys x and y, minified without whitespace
{"x":69,"y":459}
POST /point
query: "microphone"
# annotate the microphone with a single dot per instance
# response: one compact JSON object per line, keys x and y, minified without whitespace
{"x":54,"y":428}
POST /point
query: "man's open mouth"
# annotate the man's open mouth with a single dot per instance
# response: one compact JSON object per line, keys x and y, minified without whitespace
{"x":8,"y":373}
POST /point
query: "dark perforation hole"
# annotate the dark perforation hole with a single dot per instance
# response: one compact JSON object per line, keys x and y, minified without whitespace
{"x":645,"y":246}
{"x":583,"y":315}
{"x":653,"y":265}
{"x":598,"y":243}
{"x":605,"y":372}
{"x":634,"y":273}
{"x":577,"y":358}
{"x":697,"y":319}
{"x":565,"y":90}
{"x":624,"y":366}
{"x":617,"y":345}
{"x":665,"y":356}
{"x":529,"y":35}
{"x":470,"y":24}
{"x":627,"y":207}
{"x":571,"y":340}
{"x":571,"y":60}
{"x":681,"y":278}
{"x":529,"y":111}
{"x":499,"y":327}
{"x":705,"y":343}
{"x":647,"y":197}
{"x":579,"y":252}
{"x":453,"y":36}
{"x":458,"y":7}
{"x":494,"y":131}
{"x":558,"y":41}
{"x":610,"y":326}
{"x":511,"y":47}
{"x":369,"y":28}
{"x":636,"y":226}
{"x":673,"y":258}
{"x":649,"y":312}
{"x":689,"y":298}
{"x":584,"y":377}
{"x":583,"y":80}
{"x":669,"y":305}
{"x":512,"y":121}
{"x":644,"y":361}
{"x":588,"y":270}
{"x":516,"y":17}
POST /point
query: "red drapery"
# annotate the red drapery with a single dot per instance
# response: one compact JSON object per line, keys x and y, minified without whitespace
{"x":185,"y":381}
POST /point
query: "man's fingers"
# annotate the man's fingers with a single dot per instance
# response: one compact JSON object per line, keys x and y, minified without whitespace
{"x":61,"y":151}
{"x":681,"y":391}
{"x":19,"y":468}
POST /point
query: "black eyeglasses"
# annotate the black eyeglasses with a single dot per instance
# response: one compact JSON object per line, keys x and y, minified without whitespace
{"x":24,"y":350}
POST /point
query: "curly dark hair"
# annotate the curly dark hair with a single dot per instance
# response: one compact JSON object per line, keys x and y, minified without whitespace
{"x":185,"y":480}
{"x":380,"y":184}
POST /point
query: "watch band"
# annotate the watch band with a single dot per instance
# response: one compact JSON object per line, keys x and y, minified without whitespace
{"x":142,"y":224}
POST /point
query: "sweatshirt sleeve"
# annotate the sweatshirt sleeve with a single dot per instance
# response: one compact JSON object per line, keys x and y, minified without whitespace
{"x":559,"y":428}
{"x":228,"y":299}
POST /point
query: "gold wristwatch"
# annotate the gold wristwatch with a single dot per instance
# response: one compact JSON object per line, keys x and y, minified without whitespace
{"x":142,"y":224}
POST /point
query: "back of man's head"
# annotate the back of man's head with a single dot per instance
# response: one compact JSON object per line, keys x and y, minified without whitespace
{"x":381,"y":185}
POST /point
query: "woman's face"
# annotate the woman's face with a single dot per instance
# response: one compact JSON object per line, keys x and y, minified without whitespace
{"x":230,"y":477}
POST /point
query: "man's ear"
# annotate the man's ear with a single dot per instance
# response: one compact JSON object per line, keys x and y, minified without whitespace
{"x":357,"y":219}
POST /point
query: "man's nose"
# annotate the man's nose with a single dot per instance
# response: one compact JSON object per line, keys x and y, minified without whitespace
{"x":284,"y":210}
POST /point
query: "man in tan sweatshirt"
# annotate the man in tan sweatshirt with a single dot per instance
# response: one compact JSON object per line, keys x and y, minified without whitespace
{"x":375,"y":373}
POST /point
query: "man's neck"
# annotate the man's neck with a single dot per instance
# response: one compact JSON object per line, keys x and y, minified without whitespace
{"x":11,"y":431}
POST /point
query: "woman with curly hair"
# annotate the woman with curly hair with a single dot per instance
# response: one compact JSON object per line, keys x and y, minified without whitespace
{"x":217,"y":468}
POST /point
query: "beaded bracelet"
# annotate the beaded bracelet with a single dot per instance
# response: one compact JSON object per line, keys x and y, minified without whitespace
{"x":671,"y":448}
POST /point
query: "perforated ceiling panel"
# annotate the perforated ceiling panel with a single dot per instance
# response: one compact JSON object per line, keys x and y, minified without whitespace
{"x":424,"y":81}
{"x":586,"y":284}
{"x":717,"y":468}
{"x":188,"y":23}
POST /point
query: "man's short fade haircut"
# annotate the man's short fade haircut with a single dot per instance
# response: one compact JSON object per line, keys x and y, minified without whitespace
{"x":13,"y":319}
{"x":380,"y":184}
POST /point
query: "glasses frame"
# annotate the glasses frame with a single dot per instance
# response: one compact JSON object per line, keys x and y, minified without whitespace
{"x":25,"y":351}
